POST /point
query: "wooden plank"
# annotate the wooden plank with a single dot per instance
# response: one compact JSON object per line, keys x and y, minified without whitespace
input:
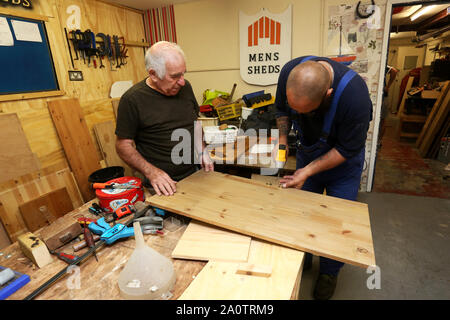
{"x":115,"y":105}
{"x":31,"y":95}
{"x":106,"y":139}
{"x":44,"y":210}
{"x":405,"y":95}
{"x":435,"y":126}
{"x":433,"y":112}
{"x":77,"y":143}
{"x":322,"y":225}
{"x":12,"y":198}
{"x":228,"y":285}
{"x":251,"y":269}
{"x":205,"y":242}
{"x":16,"y":158}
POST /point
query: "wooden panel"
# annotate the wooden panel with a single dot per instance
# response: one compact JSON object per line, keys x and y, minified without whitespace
{"x":106,"y":139}
{"x":205,"y":242}
{"x":44,"y":210}
{"x":405,"y":95}
{"x":220,"y":280}
{"x":115,"y":105}
{"x":78,"y":146}
{"x":16,"y":158}
{"x":435,"y":126}
{"x":322,"y":225}
{"x":11,"y":199}
{"x":433,"y":112}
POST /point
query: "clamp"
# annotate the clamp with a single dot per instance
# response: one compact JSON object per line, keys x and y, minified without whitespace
{"x":110,"y":234}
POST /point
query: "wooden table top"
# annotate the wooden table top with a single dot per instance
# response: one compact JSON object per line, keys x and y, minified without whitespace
{"x":94,"y":280}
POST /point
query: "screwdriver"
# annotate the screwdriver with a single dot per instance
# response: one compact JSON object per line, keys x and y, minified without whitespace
{"x":89,"y":240}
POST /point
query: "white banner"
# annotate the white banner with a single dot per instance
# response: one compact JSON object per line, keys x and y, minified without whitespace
{"x":265,"y":45}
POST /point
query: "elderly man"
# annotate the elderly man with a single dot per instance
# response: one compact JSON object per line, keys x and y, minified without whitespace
{"x":149,"y":113}
{"x":330,"y":108}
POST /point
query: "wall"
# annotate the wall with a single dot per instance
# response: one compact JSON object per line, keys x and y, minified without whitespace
{"x":208,"y":33}
{"x":93,"y":92}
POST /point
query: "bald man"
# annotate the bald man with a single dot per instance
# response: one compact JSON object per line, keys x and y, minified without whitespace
{"x":151,"y":111}
{"x":329,"y":106}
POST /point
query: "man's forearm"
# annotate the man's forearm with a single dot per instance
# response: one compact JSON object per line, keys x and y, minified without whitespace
{"x":284,"y":126}
{"x":128,"y":153}
{"x":327,"y":161}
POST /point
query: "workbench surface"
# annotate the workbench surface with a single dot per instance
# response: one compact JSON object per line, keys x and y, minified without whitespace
{"x":94,"y":280}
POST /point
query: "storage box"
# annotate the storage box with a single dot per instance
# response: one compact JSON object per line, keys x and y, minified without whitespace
{"x":214,"y":135}
{"x":207,"y":122}
{"x":229,"y":111}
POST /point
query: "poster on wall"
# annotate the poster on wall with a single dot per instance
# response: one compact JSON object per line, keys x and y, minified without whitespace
{"x":265,"y":45}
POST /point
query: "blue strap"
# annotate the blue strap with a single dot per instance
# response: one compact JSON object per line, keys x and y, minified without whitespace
{"x":308,"y":58}
{"x":329,"y":116}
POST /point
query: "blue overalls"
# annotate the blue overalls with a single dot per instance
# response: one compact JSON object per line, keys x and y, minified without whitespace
{"x":342,"y":181}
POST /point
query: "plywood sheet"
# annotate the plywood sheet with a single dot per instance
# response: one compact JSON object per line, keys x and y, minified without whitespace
{"x":229,"y":285}
{"x":204,"y":242}
{"x":106,"y":139}
{"x":46,"y":209}
{"x":16,"y":158}
{"x":11,"y":199}
{"x":77,"y":143}
{"x":322,"y":225}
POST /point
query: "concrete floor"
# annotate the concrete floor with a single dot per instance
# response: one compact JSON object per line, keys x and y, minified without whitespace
{"x":411,"y":241}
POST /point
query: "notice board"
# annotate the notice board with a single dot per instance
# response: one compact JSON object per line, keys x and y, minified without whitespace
{"x":25,"y":57}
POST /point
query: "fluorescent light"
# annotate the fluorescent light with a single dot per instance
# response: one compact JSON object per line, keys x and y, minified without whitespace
{"x":421,"y":11}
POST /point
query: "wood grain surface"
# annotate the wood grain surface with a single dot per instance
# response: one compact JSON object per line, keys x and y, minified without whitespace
{"x":204,"y":242}
{"x":230,"y":285}
{"x":77,"y":143}
{"x":322,"y":225}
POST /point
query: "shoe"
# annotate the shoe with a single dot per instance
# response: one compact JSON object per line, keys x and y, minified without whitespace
{"x":325,"y":286}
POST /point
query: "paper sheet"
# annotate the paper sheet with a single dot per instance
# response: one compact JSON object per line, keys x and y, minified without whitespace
{"x":26,"y":31}
{"x":6,"y":38}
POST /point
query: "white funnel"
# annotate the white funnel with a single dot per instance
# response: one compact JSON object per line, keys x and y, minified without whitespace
{"x":147,"y":275}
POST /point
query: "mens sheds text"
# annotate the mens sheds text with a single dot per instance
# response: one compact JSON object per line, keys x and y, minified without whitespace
{"x":263,"y":57}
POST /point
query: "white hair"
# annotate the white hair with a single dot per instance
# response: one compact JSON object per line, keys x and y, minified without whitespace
{"x":156,"y":56}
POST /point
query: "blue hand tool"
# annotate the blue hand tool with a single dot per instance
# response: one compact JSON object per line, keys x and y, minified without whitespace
{"x":110,"y":234}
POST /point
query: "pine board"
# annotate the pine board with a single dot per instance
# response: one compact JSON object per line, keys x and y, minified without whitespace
{"x":322,"y":225}
{"x":106,"y":139}
{"x":228,"y":285}
{"x":205,"y":242}
{"x":16,"y":158}
{"x":46,"y":209}
{"x":12,"y":198}
{"x":73,"y":132}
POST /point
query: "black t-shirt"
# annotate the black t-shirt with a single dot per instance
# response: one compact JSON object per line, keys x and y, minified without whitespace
{"x":353,"y":114}
{"x":150,"y":118}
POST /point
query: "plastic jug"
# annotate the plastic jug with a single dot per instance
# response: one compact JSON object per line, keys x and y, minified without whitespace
{"x":148,"y":275}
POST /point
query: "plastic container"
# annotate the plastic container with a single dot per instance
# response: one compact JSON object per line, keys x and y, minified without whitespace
{"x":214,"y":135}
{"x":106,"y":174}
{"x":112,"y":199}
{"x":148,"y":275}
{"x":246,"y":112}
{"x":229,"y":111}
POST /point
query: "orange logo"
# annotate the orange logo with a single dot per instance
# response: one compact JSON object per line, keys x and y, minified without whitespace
{"x":264,"y":28}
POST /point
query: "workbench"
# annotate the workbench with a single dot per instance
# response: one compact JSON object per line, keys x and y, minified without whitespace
{"x":98,"y":280}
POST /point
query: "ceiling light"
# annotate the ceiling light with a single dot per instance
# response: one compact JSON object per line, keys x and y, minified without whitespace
{"x":421,"y":11}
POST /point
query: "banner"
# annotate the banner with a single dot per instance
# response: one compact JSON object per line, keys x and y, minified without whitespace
{"x":265,"y":45}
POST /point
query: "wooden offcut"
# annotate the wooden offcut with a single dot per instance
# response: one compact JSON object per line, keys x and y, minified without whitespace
{"x":219,"y":280}
{"x":35,"y":249}
{"x":205,"y":242}
{"x":45,"y":209}
{"x":252,"y":269}
{"x":55,"y":240}
{"x":322,"y":225}
{"x":76,"y":140}
{"x":16,"y":158}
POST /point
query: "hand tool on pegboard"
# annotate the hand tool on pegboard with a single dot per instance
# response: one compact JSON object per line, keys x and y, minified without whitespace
{"x":108,"y":237}
{"x":70,"y":50}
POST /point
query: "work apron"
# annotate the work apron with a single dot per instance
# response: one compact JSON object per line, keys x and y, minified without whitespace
{"x":342,"y":181}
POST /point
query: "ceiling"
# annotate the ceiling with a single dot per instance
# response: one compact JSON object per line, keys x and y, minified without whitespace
{"x":437,"y":17}
{"x":146,"y":4}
